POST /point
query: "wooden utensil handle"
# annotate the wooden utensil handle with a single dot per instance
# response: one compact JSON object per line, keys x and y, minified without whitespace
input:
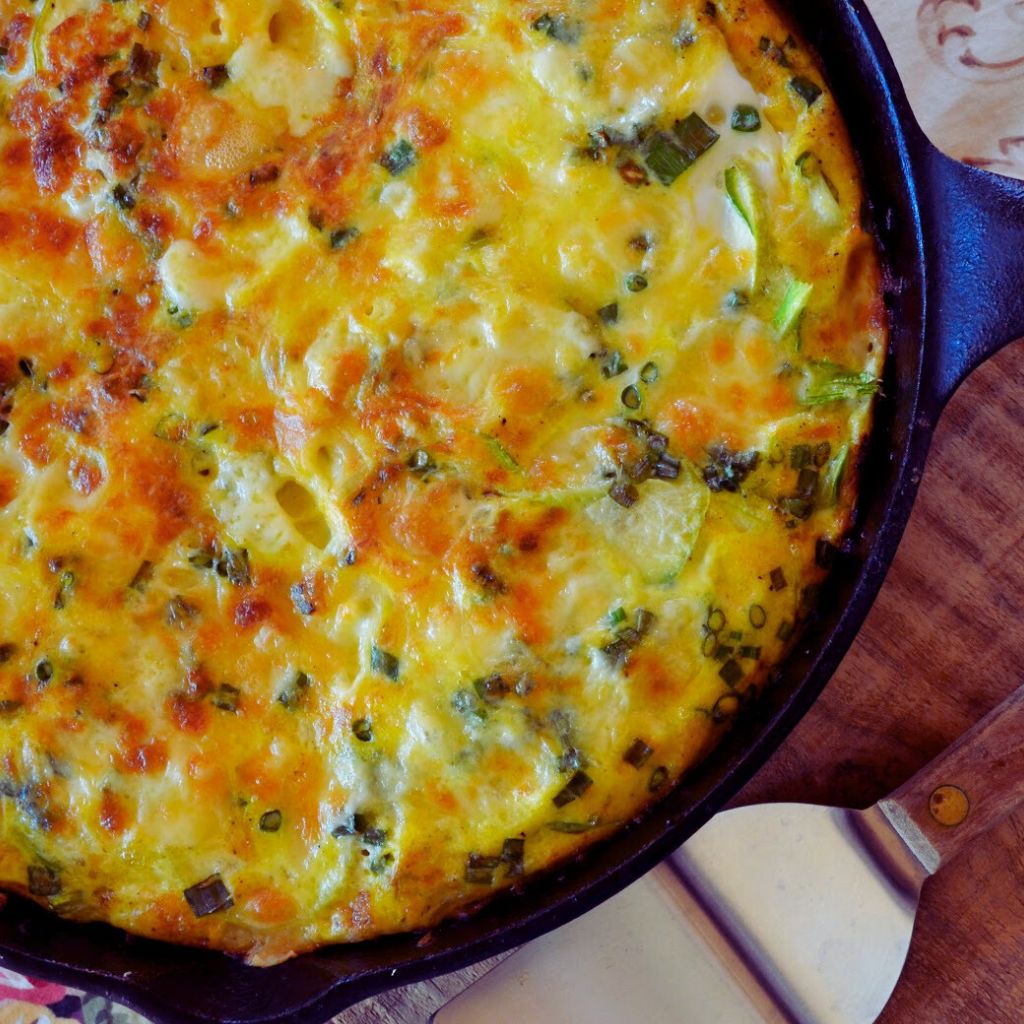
{"x":966,"y":790}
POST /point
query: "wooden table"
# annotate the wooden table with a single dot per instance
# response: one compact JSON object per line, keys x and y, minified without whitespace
{"x":943,"y":644}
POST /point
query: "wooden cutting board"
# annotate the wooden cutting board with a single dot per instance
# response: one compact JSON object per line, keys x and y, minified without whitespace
{"x":943,"y":644}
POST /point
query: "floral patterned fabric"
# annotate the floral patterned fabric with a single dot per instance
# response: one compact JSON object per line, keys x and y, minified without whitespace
{"x":30,"y":1001}
{"x":963,"y":64}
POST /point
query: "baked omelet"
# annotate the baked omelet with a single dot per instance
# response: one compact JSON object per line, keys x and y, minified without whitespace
{"x":423,"y":423}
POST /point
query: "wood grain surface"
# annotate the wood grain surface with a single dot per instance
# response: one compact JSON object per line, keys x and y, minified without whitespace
{"x":943,"y":645}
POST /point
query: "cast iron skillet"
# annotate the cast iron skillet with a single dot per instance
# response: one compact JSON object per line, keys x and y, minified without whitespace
{"x":953,"y":247}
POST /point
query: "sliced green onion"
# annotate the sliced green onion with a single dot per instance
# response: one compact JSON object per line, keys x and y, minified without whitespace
{"x":384,"y":663}
{"x":731,"y":672}
{"x":612,"y":364}
{"x":636,"y":282}
{"x":745,"y":118}
{"x":270,"y":821}
{"x":480,"y":869}
{"x":501,"y":454}
{"x":778,"y":579}
{"x":757,"y":616}
{"x":558,"y":27}
{"x":420,"y":461}
{"x":644,"y":621}
{"x":362,"y":729}
{"x":208,"y":896}
{"x":340,"y":237}
{"x":631,"y":397}
{"x":835,"y":473}
{"x":800,"y":456}
{"x":658,"y":779}
{"x":695,"y":136}
{"x":122,"y":197}
{"x":398,"y":158}
{"x":842,"y":387}
{"x":797,"y":507}
{"x":575,"y":828}
{"x":44,"y":670}
{"x":573,"y":789}
{"x":513,"y":852}
{"x":664,"y":157}
{"x":807,"y":482}
{"x":740,"y":188}
{"x":725,"y":707}
{"x":805,"y":88}
{"x":64,"y":589}
{"x":616,"y":616}
{"x":638,"y":754}
{"x":226,"y":697}
{"x":794,"y":302}
{"x":649,"y":373}
{"x":291,"y":696}
{"x":172,"y":427}
{"x":469,"y":705}
{"x":609,"y":314}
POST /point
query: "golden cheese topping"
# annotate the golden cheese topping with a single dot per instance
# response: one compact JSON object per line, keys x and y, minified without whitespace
{"x":422,"y":421}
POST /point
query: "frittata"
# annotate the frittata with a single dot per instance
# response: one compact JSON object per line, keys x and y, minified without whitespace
{"x":423,"y":424}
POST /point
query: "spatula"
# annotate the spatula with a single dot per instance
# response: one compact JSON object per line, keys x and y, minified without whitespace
{"x":780,"y":912}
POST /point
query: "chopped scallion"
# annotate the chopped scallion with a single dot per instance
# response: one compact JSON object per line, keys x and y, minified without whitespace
{"x":695,"y":136}
{"x":794,"y":302}
{"x":638,"y":754}
{"x":805,"y":88}
{"x":631,"y":397}
{"x":559,"y":27}
{"x":575,"y":828}
{"x":384,"y":663}
{"x":270,"y":821}
{"x":664,"y":158}
{"x":398,"y":158}
{"x":208,"y":896}
{"x":745,"y":118}
{"x":731,"y":672}
{"x":573,"y":789}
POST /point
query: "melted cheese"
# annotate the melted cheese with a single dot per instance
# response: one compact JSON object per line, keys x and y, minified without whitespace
{"x":405,"y":474}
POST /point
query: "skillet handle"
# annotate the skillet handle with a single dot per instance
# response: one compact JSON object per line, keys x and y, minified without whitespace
{"x":975,"y":239}
{"x":967,"y":789}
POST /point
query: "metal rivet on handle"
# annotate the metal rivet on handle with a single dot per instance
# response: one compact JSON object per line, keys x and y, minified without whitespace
{"x":949,"y":806}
